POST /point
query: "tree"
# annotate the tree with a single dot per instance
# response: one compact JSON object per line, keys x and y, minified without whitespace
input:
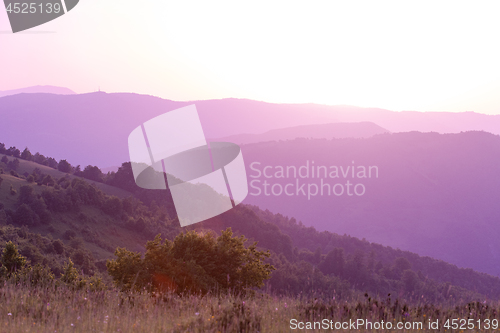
{"x":58,"y":246}
{"x":24,"y":215}
{"x":126,"y":268}
{"x":35,"y":275}
{"x":40,"y":159}
{"x":70,"y":273}
{"x":38,"y":206}
{"x":26,"y":154}
{"x":26,"y":195}
{"x":64,"y":166}
{"x":410,"y":280}
{"x":14,"y":164}
{"x":78,"y":171}
{"x":124,"y":178}
{"x":130,"y":204}
{"x":113,"y":206}
{"x":83,"y":259}
{"x":401,"y":264}
{"x":334,"y":262}
{"x":92,"y":173}
{"x":71,"y":277}
{"x":13,"y":151}
{"x":51,"y":162}
{"x":1,"y":180}
{"x":11,"y":260}
{"x":355,"y":270}
{"x":4,"y":160}
{"x":193,"y":263}
{"x":48,"y":180}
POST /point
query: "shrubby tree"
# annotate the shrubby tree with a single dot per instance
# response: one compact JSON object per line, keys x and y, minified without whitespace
{"x":356,"y":270}
{"x":48,"y":180}
{"x":130,"y":204}
{"x":37,"y":205}
{"x":36,"y":172}
{"x":73,"y":279}
{"x":123,"y":178}
{"x":14,"y":164}
{"x":113,"y":206}
{"x":334,"y":262}
{"x":26,"y":154}
{"x":35,"y":275}
{"x":92,"y":173}
{"x":58,"y":246}
{"x":4,"y":160}
{"x":26,"y":195}
{"x":13,"y":151}
{"x":64,"y":166}
{"x":24,"y":215}
{"x":40,"y":159}
{"x":16,"y":267}
{"x":193,"y":263}
{"x":83,"y":259}
{"x":11,"y":260}
{"x":51,"y":162}
{"x":401,"y":264}
{"x":410,"y":280}
{"x":71,"y":198}
{"x":78,"y":171}
{"x":70,"y":275}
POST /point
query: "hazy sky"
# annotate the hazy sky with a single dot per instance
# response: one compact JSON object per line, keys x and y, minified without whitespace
{"x":427,"y":55}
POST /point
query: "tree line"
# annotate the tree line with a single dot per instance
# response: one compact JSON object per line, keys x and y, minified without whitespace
{"x":90,"y":172}
{"x":305,"y":261}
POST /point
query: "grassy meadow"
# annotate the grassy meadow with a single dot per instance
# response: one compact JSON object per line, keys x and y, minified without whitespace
{"x":60,"y":308}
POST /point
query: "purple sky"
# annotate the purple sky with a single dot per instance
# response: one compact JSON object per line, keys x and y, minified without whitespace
{"x":421,"y":56}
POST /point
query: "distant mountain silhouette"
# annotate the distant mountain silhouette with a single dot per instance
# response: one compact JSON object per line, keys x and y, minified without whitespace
{"x":37,"y":90}
{"x":436,"y":194}
{"x":325,"y":131}
{"x":93,"y":128}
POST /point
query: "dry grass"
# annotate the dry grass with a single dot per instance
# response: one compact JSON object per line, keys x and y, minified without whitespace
{"x":37,"y":309}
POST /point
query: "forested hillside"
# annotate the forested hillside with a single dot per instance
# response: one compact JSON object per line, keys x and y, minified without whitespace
{"x":54,"y":215}
{"x":428,"y":193}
